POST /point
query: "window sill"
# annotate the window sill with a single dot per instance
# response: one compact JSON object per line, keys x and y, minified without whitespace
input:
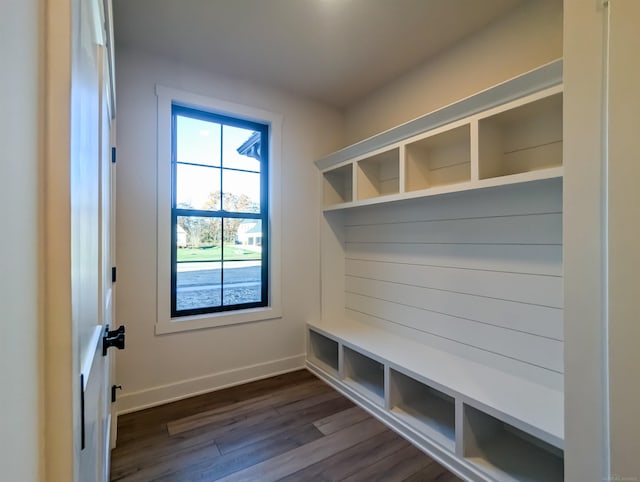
{"x":214,"y":320}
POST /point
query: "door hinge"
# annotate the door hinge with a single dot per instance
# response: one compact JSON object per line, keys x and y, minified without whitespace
{"x":113,"y":155}
{"x":113,"y":274}
{"x":113,"y":392}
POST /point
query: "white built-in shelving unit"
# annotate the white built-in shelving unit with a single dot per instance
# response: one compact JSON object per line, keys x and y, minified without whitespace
{"x":442,"y":303}
{"x":516,"y":142}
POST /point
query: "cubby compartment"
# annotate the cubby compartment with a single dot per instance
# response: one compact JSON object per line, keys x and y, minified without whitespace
{"x":439,"y":159}
{"x":323,"y":351}
{"x":364,"y":374}
{"x":338,"y":185}
{"x":521,"y":139}
{"x":426,"y":409}
{"x":506,"y":453}
{"x":379,"y":175}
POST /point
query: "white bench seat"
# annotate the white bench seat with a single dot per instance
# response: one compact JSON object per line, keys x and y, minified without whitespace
{"x":532,"y":408}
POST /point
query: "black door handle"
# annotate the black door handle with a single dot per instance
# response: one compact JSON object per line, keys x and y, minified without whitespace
{"x":113,"y":338}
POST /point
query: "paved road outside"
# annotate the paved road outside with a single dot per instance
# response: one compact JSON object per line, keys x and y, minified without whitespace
{"x":199,"y":284}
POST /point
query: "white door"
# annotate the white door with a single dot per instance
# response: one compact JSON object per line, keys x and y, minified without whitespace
{"x":91,"y":284}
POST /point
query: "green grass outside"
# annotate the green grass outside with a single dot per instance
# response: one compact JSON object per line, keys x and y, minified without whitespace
{"x":214,"y":253}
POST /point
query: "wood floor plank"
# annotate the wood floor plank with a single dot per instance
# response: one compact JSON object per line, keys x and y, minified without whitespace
{"x":132,"y":426}
{"x":351,"y":460}
{"x":306,"y":455}
{"x":224,"y":428}
{"x":340,"y":420}
{"x":152,"y":422}
{"x":248,"y":406}
{"x":292,"y":427}
{"x":127,"y":460}
{"x":433,"y":473}
{"x":298,"y":405}
{"x":166,"y":465}
{"x":395,"y":467}
{"x":283,"y":423}
{"x":247,"y":456}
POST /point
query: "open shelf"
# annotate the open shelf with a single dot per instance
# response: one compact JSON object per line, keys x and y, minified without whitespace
{"x":364,"y":374}
{"x":426,"y":409}
{"x":379,"y":175}
{"x":439,"y":159}
{"x":505,"y":453}
{"x":338,"y":185}
{"x":521,"y":139}
{"x":323,"y":351}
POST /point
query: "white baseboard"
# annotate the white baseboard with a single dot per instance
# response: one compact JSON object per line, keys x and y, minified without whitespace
{"x":151,"y":397}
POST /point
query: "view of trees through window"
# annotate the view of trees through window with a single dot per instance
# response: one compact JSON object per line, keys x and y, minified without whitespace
{"x":219,"y":209}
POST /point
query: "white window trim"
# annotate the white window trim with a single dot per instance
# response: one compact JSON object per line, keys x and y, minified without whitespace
{"x":164,"y":322}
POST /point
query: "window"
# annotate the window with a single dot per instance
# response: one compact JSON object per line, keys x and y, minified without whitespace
{"x":218,"y":212}
{"x":219,"y":207}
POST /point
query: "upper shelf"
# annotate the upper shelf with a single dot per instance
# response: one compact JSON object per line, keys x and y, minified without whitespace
{"x":511,"y":133}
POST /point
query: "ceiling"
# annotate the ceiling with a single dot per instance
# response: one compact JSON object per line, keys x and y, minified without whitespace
{"x":334,"y":51}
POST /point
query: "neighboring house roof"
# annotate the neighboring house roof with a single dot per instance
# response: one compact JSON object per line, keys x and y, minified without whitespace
{"x":249,"y":227}
{"x":255,"y":229}
{"x":251,"y":147}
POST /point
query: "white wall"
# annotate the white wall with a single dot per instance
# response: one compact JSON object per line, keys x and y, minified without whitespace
{"x":584,"y":250}
{"x":601,"y":249}
{"x":19,"y":251}
{"x":525,"y":39}
{"x":623,"y":234}
{"x":154,"y":368}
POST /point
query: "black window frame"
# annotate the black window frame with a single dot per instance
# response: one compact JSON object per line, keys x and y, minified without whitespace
{"x":225,"y":120}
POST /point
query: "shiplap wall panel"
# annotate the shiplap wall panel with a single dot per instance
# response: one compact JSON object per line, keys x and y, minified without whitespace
{"x":533,"y":373}
{"x":536,"y":350}
{"x":526,"y":318}
{"x":526,"y":259}
{"x":478,"y":275}
{"x":518,"y":229}
{"x":524,"y":288}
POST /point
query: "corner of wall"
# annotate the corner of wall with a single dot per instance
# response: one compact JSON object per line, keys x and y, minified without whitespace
{"x":528,"y":37}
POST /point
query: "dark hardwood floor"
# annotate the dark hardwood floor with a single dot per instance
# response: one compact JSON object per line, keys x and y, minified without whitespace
{"x":291,"y":427}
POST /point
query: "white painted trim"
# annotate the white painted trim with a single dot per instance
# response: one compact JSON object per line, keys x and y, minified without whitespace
{"x":110,"y":44}
{"x":623,"y":260}
{"x":151,"y":397}
{"x":164,"y":323}
{"x":106,"y":469}
{"x":587,"y":444}
{"x":60,"y":358}
{"x":211,"y":320}
{"x":537,"y":79}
